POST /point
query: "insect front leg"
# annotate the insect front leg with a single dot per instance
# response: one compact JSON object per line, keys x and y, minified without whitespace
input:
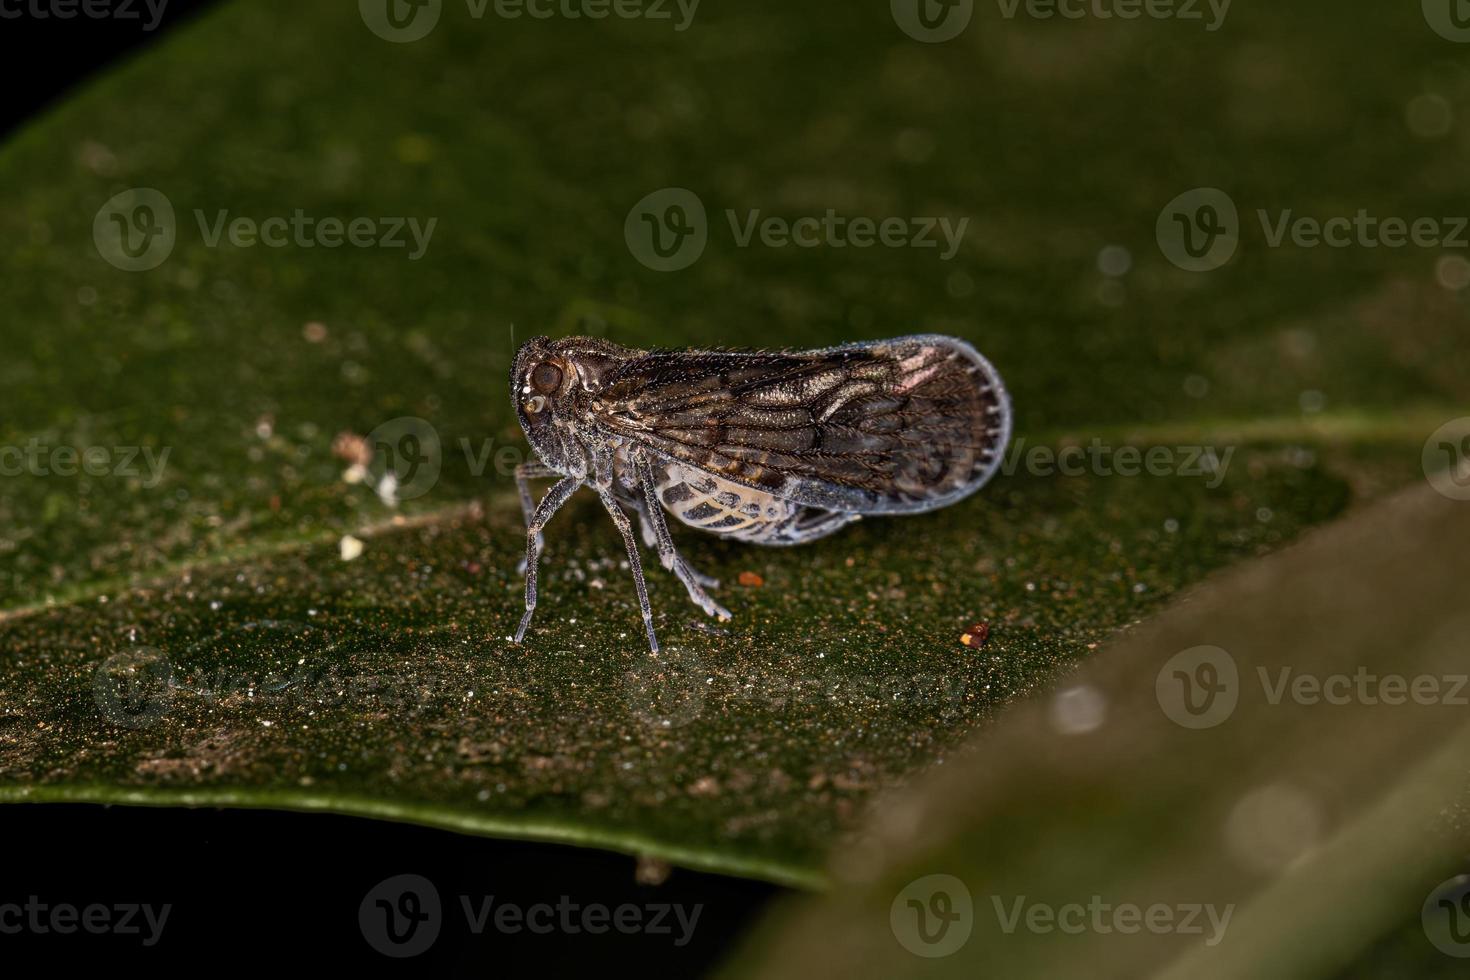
{"x":525,"y":473}
{"x":667,"y":554}
{"x":625,"y":528}
{"x":553,"y":500}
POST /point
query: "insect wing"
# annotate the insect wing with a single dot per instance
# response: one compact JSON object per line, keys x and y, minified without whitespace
{"x":892,"y":426}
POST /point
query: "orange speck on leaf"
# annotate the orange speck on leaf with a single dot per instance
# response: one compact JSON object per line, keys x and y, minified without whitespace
{"x":976,"y":635}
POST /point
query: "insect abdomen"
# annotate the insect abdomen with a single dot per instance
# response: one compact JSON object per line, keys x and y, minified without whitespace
{"x":730,"y":510}
{"x":718,"y":506}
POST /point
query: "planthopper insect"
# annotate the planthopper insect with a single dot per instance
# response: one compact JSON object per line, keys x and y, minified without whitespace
{"x":772,"y":448}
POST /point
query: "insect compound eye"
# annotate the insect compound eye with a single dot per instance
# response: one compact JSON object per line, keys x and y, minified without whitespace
{"x":546,"y":377}
{"x":535,"y":405}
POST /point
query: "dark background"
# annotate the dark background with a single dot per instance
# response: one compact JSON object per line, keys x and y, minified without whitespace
{"x":43,"y":58}
{"x":282,"y":890}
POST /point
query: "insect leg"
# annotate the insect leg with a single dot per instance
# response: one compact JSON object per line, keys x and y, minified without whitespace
{"x":525,"y":473}
{"x":807,"y":525}
{"x":667,"y":554}
{"x":625,"y":528}
{"x":650,"y":535}
{"x":708,"y":581}
{"x":554,"y":498}
{"x":645,"y":527}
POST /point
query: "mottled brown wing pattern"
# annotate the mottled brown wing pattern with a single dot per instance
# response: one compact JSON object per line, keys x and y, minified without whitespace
{"x":893,"y":426}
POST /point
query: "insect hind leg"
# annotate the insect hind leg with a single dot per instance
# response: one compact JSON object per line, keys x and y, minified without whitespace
{"x":625,"y":528}
{"x":807,"y":524}
{"x":648,"y":526}
{"x":668,"y":555}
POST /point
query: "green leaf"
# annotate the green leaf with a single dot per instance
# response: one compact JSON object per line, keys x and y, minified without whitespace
{"x":183,"y":628}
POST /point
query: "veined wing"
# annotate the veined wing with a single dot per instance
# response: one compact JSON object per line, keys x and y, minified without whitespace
{"x":891,"y":426}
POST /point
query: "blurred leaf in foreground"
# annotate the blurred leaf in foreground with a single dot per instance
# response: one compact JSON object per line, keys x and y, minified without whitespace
{"x":1258,"y":783}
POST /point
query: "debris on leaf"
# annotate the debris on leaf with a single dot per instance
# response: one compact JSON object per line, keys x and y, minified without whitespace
{"x":651,"y":871}
{"x":354,"y":450}
{"x":387,"y":489}
{"x":976,"y":635}
{"x":705,"y":786}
